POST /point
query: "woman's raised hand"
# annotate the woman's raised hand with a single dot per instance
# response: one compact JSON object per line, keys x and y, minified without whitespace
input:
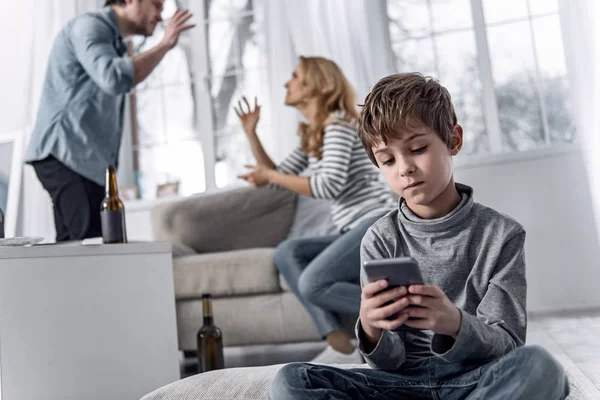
{"x":248,"y":117}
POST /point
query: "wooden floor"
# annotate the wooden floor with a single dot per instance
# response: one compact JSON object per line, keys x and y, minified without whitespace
{"x":574,"y":340}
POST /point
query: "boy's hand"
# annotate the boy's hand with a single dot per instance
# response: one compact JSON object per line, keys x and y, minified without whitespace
{"x":437,"y":313}
{"x":374,"y":311}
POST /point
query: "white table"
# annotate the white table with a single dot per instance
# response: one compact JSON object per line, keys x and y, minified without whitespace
{"x":86,"y":322}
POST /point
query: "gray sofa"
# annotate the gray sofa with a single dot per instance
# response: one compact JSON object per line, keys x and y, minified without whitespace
{"x":224,"y":244}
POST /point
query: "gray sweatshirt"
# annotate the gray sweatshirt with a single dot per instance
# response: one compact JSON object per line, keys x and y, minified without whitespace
{"x":475,"y":255}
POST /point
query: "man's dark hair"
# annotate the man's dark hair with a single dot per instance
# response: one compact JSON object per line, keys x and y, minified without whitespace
{"x":114,"y":3}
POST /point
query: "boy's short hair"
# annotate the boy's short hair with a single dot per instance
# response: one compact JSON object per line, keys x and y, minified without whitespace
{"x":114,"y":3}
{"x":396,"y":99}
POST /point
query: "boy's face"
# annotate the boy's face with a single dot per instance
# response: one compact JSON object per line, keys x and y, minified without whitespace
{"x":417,"y":164}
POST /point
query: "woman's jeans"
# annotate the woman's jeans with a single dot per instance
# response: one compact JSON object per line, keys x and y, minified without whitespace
{"x":526,"y":373}
{"x":324,"y":273}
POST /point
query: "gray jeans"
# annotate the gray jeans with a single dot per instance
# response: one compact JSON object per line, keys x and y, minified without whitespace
{"x":527,"y":373}
{"x":324,"y":273}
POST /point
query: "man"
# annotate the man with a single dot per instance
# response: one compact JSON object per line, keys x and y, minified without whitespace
{"x":80,"y":118}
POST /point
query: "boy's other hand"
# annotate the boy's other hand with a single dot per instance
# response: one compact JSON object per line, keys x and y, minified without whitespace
{"x":377,"y":305}
{"x":434,"y":310}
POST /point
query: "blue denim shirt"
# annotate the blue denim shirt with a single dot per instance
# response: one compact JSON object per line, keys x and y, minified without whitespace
{"x":81,"y":111}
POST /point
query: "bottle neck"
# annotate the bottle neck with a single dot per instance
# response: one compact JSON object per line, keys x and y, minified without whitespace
{"x":111,"y":182}
{"x":207,"y":311}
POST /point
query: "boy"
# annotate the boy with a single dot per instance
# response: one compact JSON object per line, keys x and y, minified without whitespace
{"x":467,"y":338}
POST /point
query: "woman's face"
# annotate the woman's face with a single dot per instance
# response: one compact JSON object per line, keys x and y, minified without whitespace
{"x":297,"y":91}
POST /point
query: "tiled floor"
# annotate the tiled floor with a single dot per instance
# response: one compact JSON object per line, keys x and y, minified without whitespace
{"x":574,"y":339}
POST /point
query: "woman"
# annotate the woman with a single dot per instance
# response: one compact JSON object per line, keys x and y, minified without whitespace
{"x":324,"y":272}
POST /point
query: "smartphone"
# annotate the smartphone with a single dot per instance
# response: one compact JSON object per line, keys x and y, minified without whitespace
{"x":401,"y":271}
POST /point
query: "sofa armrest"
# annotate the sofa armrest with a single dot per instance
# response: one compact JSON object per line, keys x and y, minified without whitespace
{"x":232,"y":219}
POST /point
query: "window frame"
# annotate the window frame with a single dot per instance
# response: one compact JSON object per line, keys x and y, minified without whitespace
{"x":203,"y":127}
{"x":201,"y":80}
{"x":495,"y":132}
{"x":207,"y":134}
{"x":488,"y":94}
{"x":239,"y":71}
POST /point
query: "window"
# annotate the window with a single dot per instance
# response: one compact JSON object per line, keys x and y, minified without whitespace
{"x":502,"y":62}
{"x":166,"y":144}
{"x":183,"y":112}
{"x":236,"y":67}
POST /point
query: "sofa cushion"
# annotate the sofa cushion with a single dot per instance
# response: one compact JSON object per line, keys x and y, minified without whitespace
{"x":312,"y":218}
{"x":231,"y":273}
{"x":241,"y":218}
{"x":181,"y":250}
{"x":266,"y":319}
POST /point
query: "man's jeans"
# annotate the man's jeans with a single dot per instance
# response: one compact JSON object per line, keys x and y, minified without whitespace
{"x":527,"y":373}
{"x":324,"y":273}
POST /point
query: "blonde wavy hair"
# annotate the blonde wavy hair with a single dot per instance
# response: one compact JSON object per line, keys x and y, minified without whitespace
{"x":336,"y":101}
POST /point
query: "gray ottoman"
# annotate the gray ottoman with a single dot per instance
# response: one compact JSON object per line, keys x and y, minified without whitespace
{"x":254,"y":383}
{"x":232,"y":383}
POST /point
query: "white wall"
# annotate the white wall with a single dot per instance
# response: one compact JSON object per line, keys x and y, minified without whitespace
{"x":548,"y":194}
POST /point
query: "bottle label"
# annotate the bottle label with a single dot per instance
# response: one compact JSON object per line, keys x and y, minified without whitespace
{"x":113,"y":226}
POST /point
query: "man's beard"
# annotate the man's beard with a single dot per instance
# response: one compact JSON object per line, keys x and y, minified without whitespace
{"x":143,"y":30}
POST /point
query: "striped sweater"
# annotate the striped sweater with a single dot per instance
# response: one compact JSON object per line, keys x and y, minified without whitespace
{"x":345,"y":175}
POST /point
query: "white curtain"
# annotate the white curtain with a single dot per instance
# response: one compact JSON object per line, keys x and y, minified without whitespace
{"x":353,"y":33}
{"x":581,"y":37}
{"x":36,"y":23}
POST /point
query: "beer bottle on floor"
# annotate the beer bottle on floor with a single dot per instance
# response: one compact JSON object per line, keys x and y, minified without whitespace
{"x":209,"y":340}
{"x":112,"y":211}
